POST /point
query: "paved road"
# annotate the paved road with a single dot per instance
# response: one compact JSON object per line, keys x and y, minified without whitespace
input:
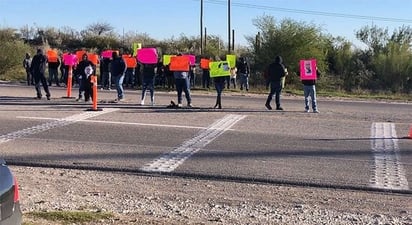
{"x":350,"y":144}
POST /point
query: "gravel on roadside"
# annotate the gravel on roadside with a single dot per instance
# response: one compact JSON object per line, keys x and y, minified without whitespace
{"x":135,"y":199}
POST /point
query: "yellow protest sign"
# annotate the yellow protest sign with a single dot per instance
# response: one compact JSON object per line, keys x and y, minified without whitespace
{"x":231,"y":59}
{"x":219,"y":69}
{"x":166,"y":59}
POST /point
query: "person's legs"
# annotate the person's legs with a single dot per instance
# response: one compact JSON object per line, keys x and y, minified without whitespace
{"x":270,"y":96}
{"x":179,"y":88}
{"x":28,"y":76}
{"x":81,"y":88}
{"x":313,"y":97}
{"x":36,"y":78}
{"x":278,"y":90}
{"x":45,"y":87}
{"x":119,"y":87}
{"x":186,"y":89}
{"x":87,"y":89}
{"x":306,"y":93}
{"x":151,"y":89}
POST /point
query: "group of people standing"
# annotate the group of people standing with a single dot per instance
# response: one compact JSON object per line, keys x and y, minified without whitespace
{"x":115,"y":68}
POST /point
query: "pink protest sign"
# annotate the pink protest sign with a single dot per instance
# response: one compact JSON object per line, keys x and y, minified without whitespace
{"x":70,"y":60}
{"x":192,"y":59}
{"x":308,"y":69}
{"x":147,"y":55}
{"x":107,"y":54}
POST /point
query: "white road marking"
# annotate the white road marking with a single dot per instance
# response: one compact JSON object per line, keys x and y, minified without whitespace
{"x":53,"y":124}
{"x":120,"y":123}
{"x":170,"y":161}
{"x":388,"y":170}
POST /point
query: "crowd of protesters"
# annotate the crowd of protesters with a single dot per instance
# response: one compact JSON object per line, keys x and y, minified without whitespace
{"x":116,"y":72}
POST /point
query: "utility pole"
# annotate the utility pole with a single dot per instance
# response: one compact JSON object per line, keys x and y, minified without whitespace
{"x":201,"y":27}
{"x":228,"y":24}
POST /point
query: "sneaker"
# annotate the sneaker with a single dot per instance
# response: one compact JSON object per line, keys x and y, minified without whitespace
{"x":142,"y":102}
{"x":48,"y":97}
{"x":316,"y":111}
{"x":179,"y":105}
{"x":268,"y":106}
{"x":279,"y":108}
{"x":190,"y":105}
{"x":306,"y":110}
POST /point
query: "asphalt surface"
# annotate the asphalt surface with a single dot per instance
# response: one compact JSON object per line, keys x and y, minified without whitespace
{"x":360,"y":145}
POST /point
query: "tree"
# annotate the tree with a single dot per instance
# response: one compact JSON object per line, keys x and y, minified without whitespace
{"x":290,"y":39}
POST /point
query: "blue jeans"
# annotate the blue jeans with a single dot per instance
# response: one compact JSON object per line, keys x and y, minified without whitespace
{"x":183,"y":85}
{"x":119,"y":86}
{"x":148,"y":83}
{"x":310,"y":91}
{"x":244,"y":81}
{"x":275,"y":89}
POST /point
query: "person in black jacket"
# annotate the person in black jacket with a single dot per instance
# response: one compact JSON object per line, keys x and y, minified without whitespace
{"x":243,"y":71}
{"x":84,"y":77}
{"x":117,"y":70}
{"x":275,"y":72}
{"x":37,"y":68}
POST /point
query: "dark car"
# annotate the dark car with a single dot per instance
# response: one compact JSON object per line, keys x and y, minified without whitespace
{"x":10,"y":212}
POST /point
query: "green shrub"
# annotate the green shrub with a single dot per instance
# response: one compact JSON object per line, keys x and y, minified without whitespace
{"x":11,"y":60}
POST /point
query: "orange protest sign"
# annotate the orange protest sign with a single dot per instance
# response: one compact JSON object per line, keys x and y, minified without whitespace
{"x":93,"y":58}
{"x":130,"y":61}
{"x":52,"y":55}
{"x":204,"y":63}
{"x":80,"y":54}
{"x":179,"y":63}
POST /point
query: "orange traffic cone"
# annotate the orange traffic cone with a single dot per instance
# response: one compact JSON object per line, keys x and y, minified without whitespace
{"x":94,"y":98}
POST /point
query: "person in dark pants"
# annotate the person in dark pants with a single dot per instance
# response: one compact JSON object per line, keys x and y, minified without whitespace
{"x":106,"y":80}
{"x":169,"y":77}
{"x":84,"y":70}
{"x":274,"y":74}
{"x":117,"y":69}
{"x":26,"y":65}
{"x":54,"y":72}
{"x":206,"y":78}
{"x":182,"y":85}
{"x":243,"y":72}
{"x":148,"y":82}
{"x":38,"y":68}
{"x":219,"y":86}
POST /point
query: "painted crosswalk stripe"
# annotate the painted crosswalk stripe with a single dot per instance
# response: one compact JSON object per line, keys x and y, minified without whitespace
{"x":52,"y":124}
{"x":170,"y":161}
{"x":388,"y":170}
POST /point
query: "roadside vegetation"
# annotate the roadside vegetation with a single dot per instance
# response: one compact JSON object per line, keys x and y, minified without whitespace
{"x":66,"y":217}
{"x":380,"y":69}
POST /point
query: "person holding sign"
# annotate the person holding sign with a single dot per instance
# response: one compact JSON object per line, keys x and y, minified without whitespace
{"x":148,"y":81}
{"x":309,"y":77}
{"x":181,"y":65}
{"x":219,"y":71}
{"x":275,"y":72}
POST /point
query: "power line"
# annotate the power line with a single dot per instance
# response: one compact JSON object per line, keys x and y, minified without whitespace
{"x":309,"y":12}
